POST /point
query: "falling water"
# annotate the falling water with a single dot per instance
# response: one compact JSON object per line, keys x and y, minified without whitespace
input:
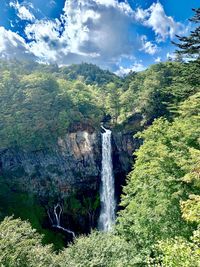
{"x":107,"y":194}
{"x":57,"y":211}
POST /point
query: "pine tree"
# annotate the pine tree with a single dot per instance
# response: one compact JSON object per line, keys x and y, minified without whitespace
{"x":190,"y":45}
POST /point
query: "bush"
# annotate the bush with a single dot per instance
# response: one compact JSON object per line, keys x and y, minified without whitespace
{"x":21,"y":246}
{"x":99,"y":250}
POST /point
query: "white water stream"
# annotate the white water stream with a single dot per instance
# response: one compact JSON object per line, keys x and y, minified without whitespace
{"x":56,"y":220}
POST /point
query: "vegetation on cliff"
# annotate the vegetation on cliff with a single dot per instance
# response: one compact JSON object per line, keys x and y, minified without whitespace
{"x":165,"y":175}
{"x":159,"y":223}
{"x":39,"y":105}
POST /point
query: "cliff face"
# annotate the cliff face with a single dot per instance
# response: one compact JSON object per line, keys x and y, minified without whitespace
{"x":72,"y":164}
{"x":71,"y":167}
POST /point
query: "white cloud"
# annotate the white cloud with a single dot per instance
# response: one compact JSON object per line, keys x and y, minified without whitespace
{"x":13,"y":45}
{"x":141,"y":14}
{"x":158,"y":60}
{"x":106,"y":2}
{"x":124,"y":6}
{"x":44,"y":39}
{"x":22,"y":12}
{"x":52,"y":2}
{"x":171,"y":56}
{"x":101,"y":29}
{"x":147,"y":46}
{"x":136,"y":67}
{"x":95,"y":31}
{"x":11,"y":24}
{"x":154,"y":17}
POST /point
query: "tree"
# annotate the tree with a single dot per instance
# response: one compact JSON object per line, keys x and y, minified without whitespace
{"x":99,"y":250}
{"x":179,"y":251}
{"x":89,"y":73}
{"x":112,"y":101}
{"x":190,"y":45}
{"x":21,"y":246}
{"x":37,"y":107}
{"x":159,"y":180}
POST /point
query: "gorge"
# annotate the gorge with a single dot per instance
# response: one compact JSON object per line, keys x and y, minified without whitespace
{"x":52,"y":153}
{"x":98,"y":169}
{"x":66,"y":179}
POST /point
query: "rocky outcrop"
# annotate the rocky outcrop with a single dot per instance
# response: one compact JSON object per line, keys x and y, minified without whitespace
{"x":124,"y":145}
{"x":72,"y":164}
{"x":72,"y":167}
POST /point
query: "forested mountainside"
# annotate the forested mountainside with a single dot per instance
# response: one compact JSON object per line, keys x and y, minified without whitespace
{"x":50,"y":163}
{"x":39,"y":107}
{"x":39,"y":103}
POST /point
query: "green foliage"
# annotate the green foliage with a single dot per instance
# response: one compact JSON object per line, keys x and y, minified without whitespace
{"x":36,"y":108}
{"x":85,"y":101}
{"x":39,"y":103}
{"x":165,"y":173}
{"x":86,"y":206}
{"x":20,"y":246}
{"x":26,"y":206}
{"x":89,"y":73}
{"x":98,"y":250}
{"x":177,"y":252}
{"x":112,"y":103}
{"x":190,"y":45}
{"x":158,"y":90}
{"x":191,"y":208}
{"x":28,"y":109}
{"x":161,"y":200}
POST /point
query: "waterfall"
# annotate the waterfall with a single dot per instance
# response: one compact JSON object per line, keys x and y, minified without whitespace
{"x":55,"y":221}
{"x":107,"y":194}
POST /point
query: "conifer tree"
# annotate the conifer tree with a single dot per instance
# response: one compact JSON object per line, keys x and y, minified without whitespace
{"x":190,"y":45}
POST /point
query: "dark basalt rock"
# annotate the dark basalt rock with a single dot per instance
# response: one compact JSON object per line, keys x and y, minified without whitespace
{"x":73,"y":163}
{"x":72,"y":166}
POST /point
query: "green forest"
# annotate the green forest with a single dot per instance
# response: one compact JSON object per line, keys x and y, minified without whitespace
{"x":158,"y":222}
{"x":38,"y":103}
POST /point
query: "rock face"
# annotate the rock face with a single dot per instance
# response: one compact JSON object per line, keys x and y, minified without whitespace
{"x":124,"y":145}
{"x":72,"y":164}
{"x":70,"y":167}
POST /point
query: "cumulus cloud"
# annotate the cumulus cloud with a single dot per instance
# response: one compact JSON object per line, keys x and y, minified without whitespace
{"x":147,"y":46}
{"x":13,"y":45}
{"x":136,"y":67}
{"x":92,"y":30}
{"x":158,"y":60}
{"x":44,"y":39}
{"x":154,"y":17}
{"x":96,"y":31}
{"x":22,"y":12}
{"x":106,"y":2}
{"x":124,"y":6}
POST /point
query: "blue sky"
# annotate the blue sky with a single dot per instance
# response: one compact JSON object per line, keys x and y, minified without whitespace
{"x":117,"y":35}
